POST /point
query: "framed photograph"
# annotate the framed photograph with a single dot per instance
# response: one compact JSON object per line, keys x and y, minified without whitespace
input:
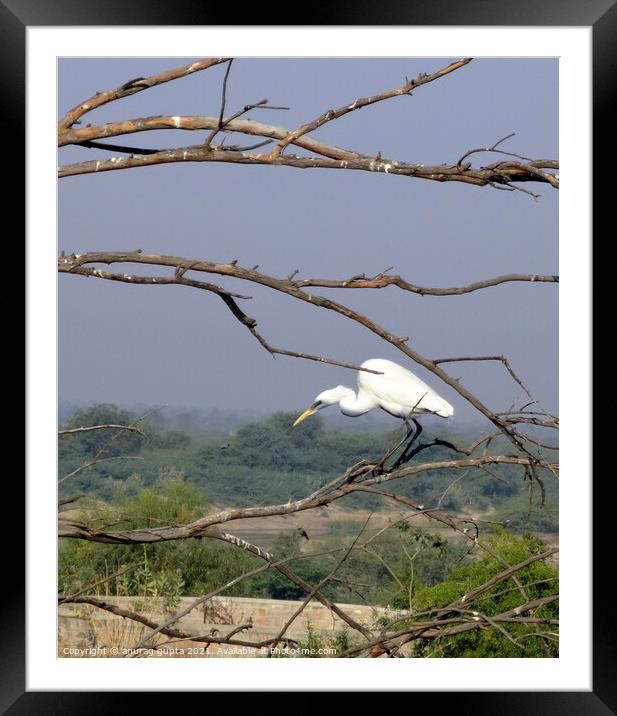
{"x":300,"y":427}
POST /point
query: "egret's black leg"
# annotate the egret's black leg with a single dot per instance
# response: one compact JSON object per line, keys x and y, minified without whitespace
{"x":405,"y":455}
{"x":394,"y":448}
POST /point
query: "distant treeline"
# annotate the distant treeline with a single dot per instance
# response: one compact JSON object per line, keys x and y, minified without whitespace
{"x":268,"y":461}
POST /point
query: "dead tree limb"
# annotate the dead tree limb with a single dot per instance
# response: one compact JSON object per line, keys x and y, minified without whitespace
{"x":201,"y":526}
{"x":333,"y":114}
{"x":138,"y":84}
{"x":74,"y":431}
{"x":504,"y":175}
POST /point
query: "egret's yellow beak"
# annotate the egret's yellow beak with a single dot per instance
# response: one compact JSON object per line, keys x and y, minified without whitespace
{"x":308,"y":412}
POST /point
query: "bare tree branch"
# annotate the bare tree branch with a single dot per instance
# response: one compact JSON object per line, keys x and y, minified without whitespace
{"x":228,"y":298}
{"x":200,"y":527}
{"x":382,"y":281}
{"x":332,"y":114}
{"x":105,"y":580}
{"x":321,"y":584}
{"x":442,"y":626}
{"x":504,"y":174}
{"x":533,"y":165}
{"x":502,"y":359}
{"x":81,"y":135}
{"x":73,"y":431}
{"x":93,"y":462}
{"x":499,"y":175}
{"x":271,"y":561}
{"x":103,"y":449}
{"x":133,"y":87}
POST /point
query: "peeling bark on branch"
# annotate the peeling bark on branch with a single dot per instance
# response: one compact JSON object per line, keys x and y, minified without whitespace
{"x":499,"y":175}
{"x":138,"y":84}
{"x":332,"y":114}
{"x":202,"y":527}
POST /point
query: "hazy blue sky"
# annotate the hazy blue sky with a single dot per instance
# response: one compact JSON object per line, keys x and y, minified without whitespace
{"x":129,"y":344}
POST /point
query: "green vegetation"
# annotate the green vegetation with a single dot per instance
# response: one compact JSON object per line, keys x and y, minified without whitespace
{"x":270,"y":462}
{"x":185,"y":567}
{"x":538,"y":579}
{"x":316,"y":646}
{"x":180,"y":477}
{"x":378,"y":575}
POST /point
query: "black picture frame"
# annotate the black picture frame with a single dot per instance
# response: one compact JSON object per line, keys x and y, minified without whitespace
{"x":601,"y":15}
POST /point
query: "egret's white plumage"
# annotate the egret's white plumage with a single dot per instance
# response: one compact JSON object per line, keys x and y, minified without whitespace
{"x":397,"y":391}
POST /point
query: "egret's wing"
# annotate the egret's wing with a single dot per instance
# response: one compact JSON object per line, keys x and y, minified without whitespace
{"x":398,"y":386}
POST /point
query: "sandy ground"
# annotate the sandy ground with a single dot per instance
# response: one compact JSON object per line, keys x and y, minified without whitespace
{"x":316,"y":522}
{"x":324,"y":521}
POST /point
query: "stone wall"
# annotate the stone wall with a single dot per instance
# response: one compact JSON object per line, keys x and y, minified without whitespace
{"x":86,"y":631}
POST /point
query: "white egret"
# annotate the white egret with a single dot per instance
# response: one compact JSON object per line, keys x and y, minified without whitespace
{"x":396,"y":390}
